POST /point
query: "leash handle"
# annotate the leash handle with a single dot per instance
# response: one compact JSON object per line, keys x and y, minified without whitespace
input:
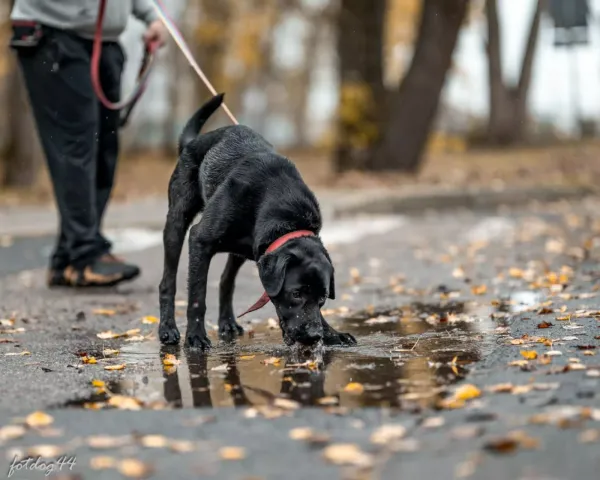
{"x":147,"y":62}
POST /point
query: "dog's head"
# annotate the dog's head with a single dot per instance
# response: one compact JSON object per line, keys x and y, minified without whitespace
{"x":298,"y":278}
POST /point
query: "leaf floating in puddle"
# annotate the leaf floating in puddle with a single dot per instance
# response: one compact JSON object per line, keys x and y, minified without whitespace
{"x":170,"y":360}
{"x":347,"y":454}
{"x":98,"y":384}
{"x":149,"y":320}
{"x":529,"y":354}
{"x":104,"y":311}
{"x":387,"y":433}
{"x":354,"y":387}
{"x":11,"y":432}
{"x":133,"y":468}
{"x":517,"y":341}
{"x":38,"y":419}
{"x":232,"y":453}
{"x":111,"y":368}
{"x":272,"y":361}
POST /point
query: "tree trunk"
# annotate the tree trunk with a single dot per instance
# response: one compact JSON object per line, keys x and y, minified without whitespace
{"x":362,"y":94}
{"x":415,"y":104}
{"x":22,"y":154}
{"x":508,"y":103}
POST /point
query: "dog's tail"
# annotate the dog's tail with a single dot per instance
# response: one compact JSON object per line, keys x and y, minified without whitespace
{"x":196,"y":122}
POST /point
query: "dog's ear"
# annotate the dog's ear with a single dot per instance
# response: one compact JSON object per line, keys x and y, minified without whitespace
{"x":332,"y":279}
{"x":271,"y":269}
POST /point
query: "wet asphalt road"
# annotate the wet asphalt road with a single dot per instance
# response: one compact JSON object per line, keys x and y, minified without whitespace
{"x":439,"y":302}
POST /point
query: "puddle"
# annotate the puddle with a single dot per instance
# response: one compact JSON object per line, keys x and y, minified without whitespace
{"x":405,"y":355}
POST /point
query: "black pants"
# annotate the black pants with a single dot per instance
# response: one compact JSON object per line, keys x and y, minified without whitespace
{"x":79,"y":137}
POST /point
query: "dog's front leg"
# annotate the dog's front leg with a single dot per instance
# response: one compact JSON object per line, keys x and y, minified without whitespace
{"x":201,"y":253}
{"x":332,"y":337}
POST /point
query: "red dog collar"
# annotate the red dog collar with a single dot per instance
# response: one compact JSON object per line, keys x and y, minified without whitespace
{"x":264,"y":299}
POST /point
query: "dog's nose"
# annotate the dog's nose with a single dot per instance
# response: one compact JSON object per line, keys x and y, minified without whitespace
{"x":311,"y":335}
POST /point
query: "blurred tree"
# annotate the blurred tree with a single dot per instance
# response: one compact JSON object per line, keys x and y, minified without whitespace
{"x":508,"y":103}
{"x":22,"y":154}
{"x":362,"y":93}
{"x":413,"y":107}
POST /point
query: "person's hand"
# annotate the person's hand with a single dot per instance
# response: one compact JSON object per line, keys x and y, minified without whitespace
{"x":156,"y":32}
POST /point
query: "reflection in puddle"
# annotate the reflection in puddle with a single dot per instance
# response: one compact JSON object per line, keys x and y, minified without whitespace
{"x":404,"y":363}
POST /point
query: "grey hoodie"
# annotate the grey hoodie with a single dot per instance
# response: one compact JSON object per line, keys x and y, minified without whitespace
{"x":80,"y":16}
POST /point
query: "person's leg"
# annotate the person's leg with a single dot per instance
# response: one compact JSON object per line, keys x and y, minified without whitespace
{"x":66,"y":114}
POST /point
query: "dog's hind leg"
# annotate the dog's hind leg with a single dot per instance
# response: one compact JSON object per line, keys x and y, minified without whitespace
{"x":185,"y":201}
{"x":228,"y":327}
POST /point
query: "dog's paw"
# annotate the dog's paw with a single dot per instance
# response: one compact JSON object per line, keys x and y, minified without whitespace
{"x":197,"y":341}
{"x":168,"y":334}
{"x":337,"y":338}
{"x":229,"y":330}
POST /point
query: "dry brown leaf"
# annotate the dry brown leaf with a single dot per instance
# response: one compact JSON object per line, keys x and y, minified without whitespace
{"x":112,"y":368}
{"x":133,"y":468}
{"x":479,"y":289}
{"x":232,"y":453}
{"x":387,"y":433}
{"x":517,"y":341}
{"x":38,"y":419}
{"x":347,"y":454}
{"x":89,"y":360}
{"x":516,"y":272}
{"x":544,"y":325}
{"x":272,"y":361}
{"x":149,"y":320}
{"x":247,"y":357}
{"x":301,"y":433}
{"x":354,"y":387}
{"x":501,"y":388}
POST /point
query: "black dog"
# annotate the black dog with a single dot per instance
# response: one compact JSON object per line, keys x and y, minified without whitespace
{"x":255,"y":206}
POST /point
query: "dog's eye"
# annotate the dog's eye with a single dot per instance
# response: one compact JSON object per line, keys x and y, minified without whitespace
{"x":296,"y":294}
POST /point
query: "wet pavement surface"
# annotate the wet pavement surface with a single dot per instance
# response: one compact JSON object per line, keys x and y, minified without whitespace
{"x":477,"y":358}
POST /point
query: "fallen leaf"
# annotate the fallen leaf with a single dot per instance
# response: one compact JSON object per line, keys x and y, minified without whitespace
{"x":467,"y":392}
{"x":354,"y":387}
{"x":518,"y":363}
{"x":154,"y":441}
{"x":45,"y":451}
{"x":247,"y":357}
{"x":108,"y":352}
{"x":170,"y":360}
{"x":7,"y":340}
{"x":572,"y":327}
{"x":38,"y":419}
{"x":544,"y":325}
{"x":433,"y":422}
{"x":553,"y":353}
{"x":133,"y":468}
{"x":102,"y":462}
{"x":347,"y":454}
{"x":104,"y":311}
{"x":589,"y":436}
{"x":478,"y":289}
{"x":232,"y":453}
{"x":98,"y":384}
{"x":11,"y":432}
{"x":387,"y":433}
{"x":149,"y":320}
{"x":516,"y":272}
{"x":181,"y":446}
{"x":529,"y":354}
{"x":501,"y":388}
{"x":517,"y":341}
{"x":300,"y":433}
{"x":328,"y":400}
{"x":89,"y":360}
{"x":285,"y":404}
{"x":355,"y":276}
{"x":111,"y":368}
{"x":272,"y":361}
{"x":17,"y":354}
{"x":101,"y":442}
{"x":123,"y":402}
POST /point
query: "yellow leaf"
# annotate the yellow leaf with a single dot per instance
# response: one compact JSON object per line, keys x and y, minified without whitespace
{"x":102,"y":462}
{"x":89,"y":360}
{"x":11,"y":432}
{"x":354,"y":387}
{"x":516,"y":272}
{"x":107,"y":352}
{"x":467,"y":392}
{"x":149,"y":320}
{"x":98,"y":384}
{"x":529,"y":354}
{"x":232,"y":453}
{"x":170,"y":360}
{"x":518,"y":363}
{"x":154,"y":441}
{"x":564,"y":318}
{"x":39,"y":419}
{"x":104,"y":311}
{"x":517,"y":341}
{"x":272,"y":361}
{"x":301,"y":433}
{"x":247,"y":357}
{"x":114,"y":367}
